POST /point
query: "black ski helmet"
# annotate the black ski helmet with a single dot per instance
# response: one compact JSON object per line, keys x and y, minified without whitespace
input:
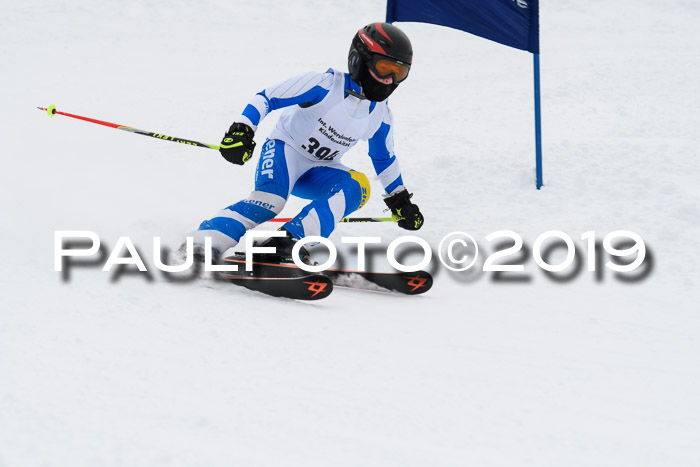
{"x":373,"y":42}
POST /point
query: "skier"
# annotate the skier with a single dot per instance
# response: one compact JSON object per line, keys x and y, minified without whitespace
{"x":325,"y":115}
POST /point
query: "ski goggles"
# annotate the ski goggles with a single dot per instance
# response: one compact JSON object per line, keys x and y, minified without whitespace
{"x":386,"y":67}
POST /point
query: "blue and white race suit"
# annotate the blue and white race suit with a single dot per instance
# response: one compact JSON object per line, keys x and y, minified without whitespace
{"x":302,"y":155}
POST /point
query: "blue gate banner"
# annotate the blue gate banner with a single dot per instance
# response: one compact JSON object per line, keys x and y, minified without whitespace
{"x":514,"y":23}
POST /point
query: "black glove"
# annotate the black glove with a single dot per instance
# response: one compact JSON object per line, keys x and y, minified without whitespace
{"x":408,"y":213}
{"x":238,"y":145}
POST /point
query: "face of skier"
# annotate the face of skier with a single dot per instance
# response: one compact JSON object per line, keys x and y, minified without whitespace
{"x":382,"y":76}
{"x":375,"y":87}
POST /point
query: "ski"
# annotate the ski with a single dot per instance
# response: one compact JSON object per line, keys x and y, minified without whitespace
{"x":278,"y":281}
{"x":407,"y":283}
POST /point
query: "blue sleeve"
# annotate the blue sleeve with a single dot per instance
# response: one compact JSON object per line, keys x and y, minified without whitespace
{"x":381,"y":151}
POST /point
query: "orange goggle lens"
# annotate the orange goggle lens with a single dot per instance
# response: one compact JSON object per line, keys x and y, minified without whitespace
{"x":385,"y":68}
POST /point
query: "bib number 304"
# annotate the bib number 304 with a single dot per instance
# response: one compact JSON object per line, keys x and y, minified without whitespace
{"x":323,"y":153}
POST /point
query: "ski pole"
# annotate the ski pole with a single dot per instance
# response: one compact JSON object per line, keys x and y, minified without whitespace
{"x":348,"y":219}
{"x":51,"y":111}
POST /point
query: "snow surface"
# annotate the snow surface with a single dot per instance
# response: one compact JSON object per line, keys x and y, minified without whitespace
{"x":136,"y":372}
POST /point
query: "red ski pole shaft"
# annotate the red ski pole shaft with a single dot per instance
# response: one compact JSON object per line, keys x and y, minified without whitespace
{"x":51,"y":111}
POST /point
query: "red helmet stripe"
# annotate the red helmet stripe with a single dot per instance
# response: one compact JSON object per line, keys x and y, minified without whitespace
{"x":373,"y":46}
{"x":381,"y":31}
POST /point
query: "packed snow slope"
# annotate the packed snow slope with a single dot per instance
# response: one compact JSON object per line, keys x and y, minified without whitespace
{"x":132,"y":372}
